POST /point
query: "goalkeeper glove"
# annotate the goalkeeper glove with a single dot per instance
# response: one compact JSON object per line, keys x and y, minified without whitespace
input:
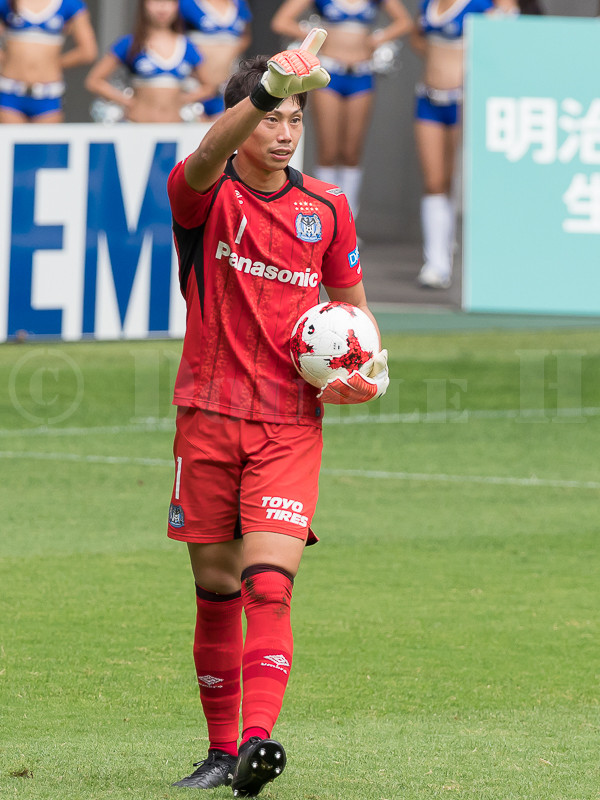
{"x":292,"y":72}
{"x":368,"y":383}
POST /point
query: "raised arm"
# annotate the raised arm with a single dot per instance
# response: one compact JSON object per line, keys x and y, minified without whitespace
{"x":207,"y":162}
{"x":288,"y":73}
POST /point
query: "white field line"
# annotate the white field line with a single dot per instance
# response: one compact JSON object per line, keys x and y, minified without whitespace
{"x":442,"y":478}
{"x":168,"y":425}
{"x":353,"y":473}
{"x":154,"y":426}
{"x":86,"y":459}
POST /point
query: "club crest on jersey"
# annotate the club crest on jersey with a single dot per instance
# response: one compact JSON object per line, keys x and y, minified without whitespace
{"x":309,"y":227}
{"x":176,"y":516}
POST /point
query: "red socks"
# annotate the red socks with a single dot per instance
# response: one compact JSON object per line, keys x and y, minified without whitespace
{"x":218,"y":647}
{"x":266,"y":595}
{"x":266,"y":661}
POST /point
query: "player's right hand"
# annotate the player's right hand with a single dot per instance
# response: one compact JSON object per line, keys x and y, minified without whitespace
{"x":293,"y":71}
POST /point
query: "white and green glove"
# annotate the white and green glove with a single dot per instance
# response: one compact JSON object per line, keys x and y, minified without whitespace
{"x":368,"y":383}
{"x":292,"y":72}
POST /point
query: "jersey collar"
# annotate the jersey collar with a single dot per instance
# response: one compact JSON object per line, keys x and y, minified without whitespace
{"x":294,"y":179}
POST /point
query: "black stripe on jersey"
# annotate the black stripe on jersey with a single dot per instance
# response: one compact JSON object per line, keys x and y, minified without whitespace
{"x":190,"y":250}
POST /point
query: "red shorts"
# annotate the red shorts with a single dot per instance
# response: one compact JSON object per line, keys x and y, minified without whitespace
{"x":233,"y":476}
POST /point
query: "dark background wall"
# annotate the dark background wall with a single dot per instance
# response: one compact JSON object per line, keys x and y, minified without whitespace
{"x":392,"y":185}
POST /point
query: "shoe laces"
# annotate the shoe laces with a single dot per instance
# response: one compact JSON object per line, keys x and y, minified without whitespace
{"x":213,"y":756}
{"x":208,"y":760}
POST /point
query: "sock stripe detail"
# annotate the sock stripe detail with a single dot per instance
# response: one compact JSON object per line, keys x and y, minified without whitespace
{"x":256,"y":569}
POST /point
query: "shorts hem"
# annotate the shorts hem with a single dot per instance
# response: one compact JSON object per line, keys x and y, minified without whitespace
{"x":302,"y":533}
{"x":199,"y":538}
{"x":208,"y":538}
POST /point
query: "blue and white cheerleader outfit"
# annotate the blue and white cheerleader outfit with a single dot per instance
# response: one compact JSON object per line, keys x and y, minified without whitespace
{"x":45,"y":27}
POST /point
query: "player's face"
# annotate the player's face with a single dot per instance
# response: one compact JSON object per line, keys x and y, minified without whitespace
{"x":162,"y":13}
{"x":274,"y":140}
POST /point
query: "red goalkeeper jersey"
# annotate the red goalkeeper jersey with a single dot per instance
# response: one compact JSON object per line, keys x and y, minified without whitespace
{"x":249,"y":265}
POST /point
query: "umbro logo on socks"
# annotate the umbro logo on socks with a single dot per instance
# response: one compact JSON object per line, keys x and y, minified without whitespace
{"x":209,"y":681}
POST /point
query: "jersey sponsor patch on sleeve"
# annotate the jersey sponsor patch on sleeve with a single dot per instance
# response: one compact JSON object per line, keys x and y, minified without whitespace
{"x":354,"y":258}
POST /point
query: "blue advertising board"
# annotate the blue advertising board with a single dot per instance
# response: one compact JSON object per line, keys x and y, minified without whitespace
{"x":86,"y":245}
{"x":532,"y":166}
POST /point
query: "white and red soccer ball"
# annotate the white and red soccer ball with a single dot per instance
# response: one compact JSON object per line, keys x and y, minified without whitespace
{"x":332,"y":340}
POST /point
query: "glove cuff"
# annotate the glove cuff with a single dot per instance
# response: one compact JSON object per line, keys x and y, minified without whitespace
{"x":262,"y":100}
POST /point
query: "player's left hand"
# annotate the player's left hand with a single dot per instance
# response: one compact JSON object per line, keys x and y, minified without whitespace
{"x":368,"y":383}
{"x":295,"y":71}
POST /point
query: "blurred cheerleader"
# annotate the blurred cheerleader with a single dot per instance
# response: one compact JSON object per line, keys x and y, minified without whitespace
{"x":220,"y":29}
{"x":160,"y":60}
{"x":438,"y":37}
{"x":33,"y":62}
{"x":342,"y":110}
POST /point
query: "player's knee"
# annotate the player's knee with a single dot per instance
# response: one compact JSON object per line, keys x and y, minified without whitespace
{"x":266,"y":584}
{"x":217,"y":582}
{"x":350,"y":158}
{"x":328,"y":158}
{"x":216,"y":566}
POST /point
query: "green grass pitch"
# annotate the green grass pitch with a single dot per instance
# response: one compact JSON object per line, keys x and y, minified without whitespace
{"x":446,"y":627}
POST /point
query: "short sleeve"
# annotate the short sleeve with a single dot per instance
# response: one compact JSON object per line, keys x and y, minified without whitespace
{"x":73,"y":7}
{"x":192,"y":56}
{"x":341,"y":266}
{"x":121,"y":47}
{"x":4,"y":10}
{"x":189,"y":207}
{"x":244,"y":11}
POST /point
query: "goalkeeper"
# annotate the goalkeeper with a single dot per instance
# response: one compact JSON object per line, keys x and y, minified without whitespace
{"x":255,"y":239}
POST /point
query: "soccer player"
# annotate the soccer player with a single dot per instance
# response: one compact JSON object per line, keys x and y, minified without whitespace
{"x":255,"y":238}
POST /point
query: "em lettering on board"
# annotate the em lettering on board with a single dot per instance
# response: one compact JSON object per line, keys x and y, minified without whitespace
{"x":108,"y":234}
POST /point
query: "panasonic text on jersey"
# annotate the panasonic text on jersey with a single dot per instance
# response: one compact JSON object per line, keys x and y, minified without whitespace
{"x":267,"y":271}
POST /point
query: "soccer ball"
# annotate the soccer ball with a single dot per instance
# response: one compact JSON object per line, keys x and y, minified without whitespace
{"x":330,"y":340}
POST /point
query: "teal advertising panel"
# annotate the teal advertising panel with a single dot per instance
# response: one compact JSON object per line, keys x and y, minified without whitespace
{"x":532,"y":166}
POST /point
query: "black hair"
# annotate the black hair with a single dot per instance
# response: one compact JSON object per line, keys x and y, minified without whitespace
{"x":246,"y":79}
